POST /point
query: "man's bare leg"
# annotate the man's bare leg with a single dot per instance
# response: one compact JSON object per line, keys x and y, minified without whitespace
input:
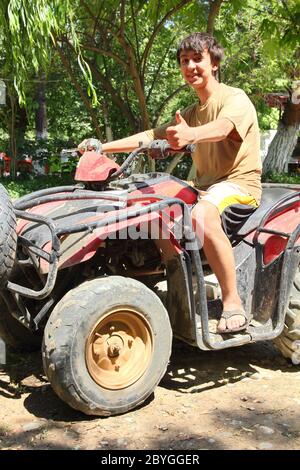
{"x":219,"y":254}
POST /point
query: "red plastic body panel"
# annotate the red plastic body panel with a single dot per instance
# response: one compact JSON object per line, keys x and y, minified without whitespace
{"x":94,"y":166}
{"x":43,"y":209}
{"x":286,"y":221}
{"x":81,"y":250}
{"x":170,"y":188}
{"x":76,"y":249}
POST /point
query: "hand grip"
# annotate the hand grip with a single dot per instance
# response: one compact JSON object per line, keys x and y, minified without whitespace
{"x":160,"y":149}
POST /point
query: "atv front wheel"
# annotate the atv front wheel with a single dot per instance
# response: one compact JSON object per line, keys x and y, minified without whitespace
{"x":107,"y":345}
{"x":289,"y":340}
{"x":8,"y":236}
{"x":11,"y":331}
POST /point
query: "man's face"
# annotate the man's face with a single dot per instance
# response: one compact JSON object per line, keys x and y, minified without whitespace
{"x":197,"y":68}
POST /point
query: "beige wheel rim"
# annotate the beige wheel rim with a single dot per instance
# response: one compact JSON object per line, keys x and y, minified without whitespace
{"x":119,"y":348}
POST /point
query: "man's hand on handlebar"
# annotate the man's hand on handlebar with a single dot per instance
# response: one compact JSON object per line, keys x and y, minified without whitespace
{"x":90,"y":144}
{"x":160,"y":149}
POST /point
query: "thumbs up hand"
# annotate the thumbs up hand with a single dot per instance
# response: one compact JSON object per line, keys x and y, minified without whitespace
{"x":181,"y":134}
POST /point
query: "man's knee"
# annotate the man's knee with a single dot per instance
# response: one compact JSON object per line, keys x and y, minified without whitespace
{"x":206,"y":218}
{"x":207,"y":213}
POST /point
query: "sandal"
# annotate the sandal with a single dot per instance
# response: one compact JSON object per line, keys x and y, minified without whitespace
{"x":226,"y":314}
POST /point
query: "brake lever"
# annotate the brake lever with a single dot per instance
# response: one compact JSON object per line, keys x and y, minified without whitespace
{"x":70,"y":150}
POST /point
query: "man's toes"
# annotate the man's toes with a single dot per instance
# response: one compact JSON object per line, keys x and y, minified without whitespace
{"x":241,"y":320}
{"x":236,"y":321}
{"x":222,"y":325}
{"x":231,"y":323}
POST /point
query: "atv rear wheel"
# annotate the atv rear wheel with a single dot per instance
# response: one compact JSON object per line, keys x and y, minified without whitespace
{"x":289,"y":340}
{"x":8,"y":236}
{"x":107,"y":345}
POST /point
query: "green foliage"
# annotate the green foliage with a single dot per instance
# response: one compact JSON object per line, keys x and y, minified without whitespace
{"x":20,"y":187}
{"x":130,"y":47}
{"x":45,"y":153}
{"x":128,"y":50}
{"x":28,"y":31}
{"x":68,"y":119}
{"x":259,"y":58}
{"x":267,"y":117}
{"x":280,"y":26}
{"x":287,"y":178}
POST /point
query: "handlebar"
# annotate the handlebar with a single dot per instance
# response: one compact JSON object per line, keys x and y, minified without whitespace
{"x":156,"y":149}
{"x":160,"y":149}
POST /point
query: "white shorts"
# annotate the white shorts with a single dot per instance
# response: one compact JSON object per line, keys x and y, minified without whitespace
{"x":225,"y":194}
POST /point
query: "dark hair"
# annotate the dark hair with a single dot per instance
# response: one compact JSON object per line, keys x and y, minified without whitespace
{"x":198,"y":42}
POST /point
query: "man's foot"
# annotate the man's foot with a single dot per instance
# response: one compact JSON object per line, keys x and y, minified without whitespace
{"x":232,"y":320}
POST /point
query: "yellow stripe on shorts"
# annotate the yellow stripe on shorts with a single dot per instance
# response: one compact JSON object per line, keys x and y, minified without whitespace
{"x":236,"y":199}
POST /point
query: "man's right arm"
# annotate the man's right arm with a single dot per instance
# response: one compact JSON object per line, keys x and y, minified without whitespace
{"x":122,"y":145}
{"x":127,"y":144}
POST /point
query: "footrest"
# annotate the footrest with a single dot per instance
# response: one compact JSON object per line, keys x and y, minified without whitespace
{"x":2,"y":352}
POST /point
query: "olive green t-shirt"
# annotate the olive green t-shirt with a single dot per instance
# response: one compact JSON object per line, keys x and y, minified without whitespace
{"x":236,"y":158}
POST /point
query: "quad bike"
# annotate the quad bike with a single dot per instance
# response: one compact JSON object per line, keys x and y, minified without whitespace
{"x":105,"y":272}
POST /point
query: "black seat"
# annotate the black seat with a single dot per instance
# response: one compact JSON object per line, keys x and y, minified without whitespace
{"x":270,"y":196}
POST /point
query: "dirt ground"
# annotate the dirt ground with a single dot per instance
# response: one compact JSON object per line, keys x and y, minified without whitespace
{"x":243,"y":398}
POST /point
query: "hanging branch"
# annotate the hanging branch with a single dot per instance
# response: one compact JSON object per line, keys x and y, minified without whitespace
{"x":174,"y":162}
{"x":135,"y":33}
{"x":107,"y":54}
{"x":116,"y":98}
{"x":165,"y":102}
{"x":79,"y":89}
{"x":158,"y":71}
{"x":156,"y":31}
{"x":214,"y":9}
{"x":13,"y":142}
{"x":131,"y":67}
{"x":122,"y":17}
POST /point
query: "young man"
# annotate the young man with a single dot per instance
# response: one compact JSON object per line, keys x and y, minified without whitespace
{"x":223,"y":125}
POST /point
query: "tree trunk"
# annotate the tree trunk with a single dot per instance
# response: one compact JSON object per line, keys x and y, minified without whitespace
{"x":192,"y":172}
{"x":214,"y":10}
{"x":140,"y":93}
{"x":283,"y":144}
{"x":41,"y":112}
{"x":174,"y":162}
{"x":281,"y":148}
{"x":21,"y":122}
{"x":108,"y":129}
{"x":13,"y":139}
{"x":115,"y":97}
